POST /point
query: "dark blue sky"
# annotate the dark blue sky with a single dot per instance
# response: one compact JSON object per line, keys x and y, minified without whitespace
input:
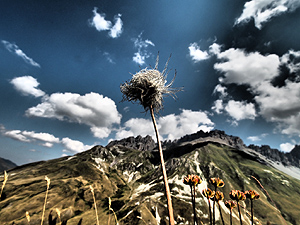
{"x":62,"y":63}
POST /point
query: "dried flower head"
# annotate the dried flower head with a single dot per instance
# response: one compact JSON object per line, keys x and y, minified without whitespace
{"x":217,"y":182}
{"x":230,"y":204}
{"x":208,"y":193}
{"x":252,"y":195}
{"x":27,"y":216}
{"x":237,"y":195}
{"x":48,"y":181}
{"x":148,"y":87}
{"x":192,"y":180}
{"x":219,"y":196}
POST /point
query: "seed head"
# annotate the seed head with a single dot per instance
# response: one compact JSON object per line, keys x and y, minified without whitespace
{"x":148,"y":86}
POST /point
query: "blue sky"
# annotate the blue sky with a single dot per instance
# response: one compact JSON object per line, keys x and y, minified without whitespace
{"x":62,"y":64}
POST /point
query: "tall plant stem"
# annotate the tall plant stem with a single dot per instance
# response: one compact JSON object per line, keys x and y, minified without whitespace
{"x":221,"y":214}
{"x":44,"y":208}
{"x":230,"y":216}
{"x":165,"y":178}
{"x":210,"y":216}
{"x":193,"y":193}
{"x":240,"y":215}
{"x":214,"y":207}
{"x":252,"y":213}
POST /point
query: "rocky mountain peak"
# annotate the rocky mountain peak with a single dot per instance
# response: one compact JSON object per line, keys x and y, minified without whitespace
{"x":139,"y":143}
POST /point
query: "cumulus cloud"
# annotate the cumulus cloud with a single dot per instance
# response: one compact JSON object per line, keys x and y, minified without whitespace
{"x":13,"y":48}
{"x":27,"y":85}
{"x":117,"y":29}
{"x":46,"y":139}
{"x":74,"y":146}
{"x":91,"y":109}
{"x":218,"y":106}
{"x":170,"y":127}
{"x":240,"y":110}
{"x":197,"y":54}
{"x":263,"y":10}
{"x":286,"y":147}
{"x":142,"y":49}
{"x":101,"y":24}
{"x":251,"y":69}
{"x":258,"y":73}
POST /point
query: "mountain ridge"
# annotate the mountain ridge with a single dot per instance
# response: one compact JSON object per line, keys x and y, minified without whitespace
{"x":131,"y":178}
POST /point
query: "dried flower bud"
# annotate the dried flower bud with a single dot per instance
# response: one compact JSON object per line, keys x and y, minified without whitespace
{"x":230,"y":204}
{"x":217,"y":182}
{"x":252,"y":195}
{"x":237,"y":195}
{"x":219,"y":196}
{"x":192,"y":180}
{"x":208,"y":193}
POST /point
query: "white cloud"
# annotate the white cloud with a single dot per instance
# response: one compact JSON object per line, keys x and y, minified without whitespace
{"x":101,"y":132}
{"x":101,"y":24}
{"x":138,"y":58}
{"x":74,"y":145}
{"x":286,"y":147}
{"x":197,"y":54}
{"x":170,"y":127}
{"x":142,"y":53}
{"x":251,"y":69}
{"x":292,"y":61}
{"x":254,"y":138}
{"x":17,"y":135}
{"x":31,"y":136}
{"x":258,"y":72}
{"x":13,"y":48}
{"x":240,"y":110}
{"x":27,"y":85}
{"x":91,"y":109}
{"x":218,"y":106}
{"x":263,"y":10}
{"x":45,"y":139}
{"x":221,"y":90}
{"x":117,"y":29}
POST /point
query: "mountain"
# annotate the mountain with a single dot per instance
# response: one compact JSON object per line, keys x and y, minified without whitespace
{"x":129,"y":173}
{"x":6,"y":164}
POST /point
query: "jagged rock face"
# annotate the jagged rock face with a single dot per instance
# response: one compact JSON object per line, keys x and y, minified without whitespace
{"x":132,"y":178}
{"x":287,"y":159}
{"x":140,"y":143}
{"x":6,"y":164}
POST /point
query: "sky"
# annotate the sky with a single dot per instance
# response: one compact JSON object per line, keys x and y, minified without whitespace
{"x":62,"y":64}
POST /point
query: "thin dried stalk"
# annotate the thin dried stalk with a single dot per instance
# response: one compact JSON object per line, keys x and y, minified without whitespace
{"x":111,"y":209}
{"x":4,"y":182}
{"x":44,"y":208}
{"x":92,"y":190}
